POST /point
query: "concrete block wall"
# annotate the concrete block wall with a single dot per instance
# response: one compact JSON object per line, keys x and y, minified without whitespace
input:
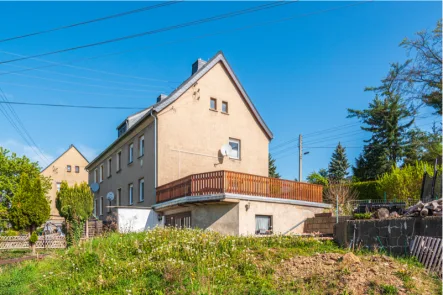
{"x":322,"y":224}
{"x":392,"y":235}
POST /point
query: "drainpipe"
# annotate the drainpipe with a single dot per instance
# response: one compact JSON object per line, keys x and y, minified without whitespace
{"x":155,"y":152}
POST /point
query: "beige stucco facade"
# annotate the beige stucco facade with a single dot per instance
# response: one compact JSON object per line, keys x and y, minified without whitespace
{"x":238,"y":217}
{"x":58,"y":171}
{"x":190,"y":134}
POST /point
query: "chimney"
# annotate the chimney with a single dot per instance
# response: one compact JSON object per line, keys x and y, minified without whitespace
{"x":197,"y":65}
{"x":161,"y":97}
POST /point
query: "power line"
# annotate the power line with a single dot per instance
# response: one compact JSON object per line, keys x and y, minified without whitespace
{"x":22,"y":132}
{"x":72,"y":106}
{"x":52,"y":64}
{"x":152,"y":32}
{"x":74,"y":91}
{"x":92,"y":20}
{"x":84,"y":77}
{"x":86,"y":84}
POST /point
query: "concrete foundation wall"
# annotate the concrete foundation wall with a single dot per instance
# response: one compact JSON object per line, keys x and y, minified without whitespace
{"x":284,"y":216}
{"x":393,"y":235}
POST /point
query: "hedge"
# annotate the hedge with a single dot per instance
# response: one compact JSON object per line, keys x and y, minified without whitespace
{"x":367,"y":190}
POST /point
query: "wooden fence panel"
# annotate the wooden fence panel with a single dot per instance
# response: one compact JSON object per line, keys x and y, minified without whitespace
{"x":428,"y":252}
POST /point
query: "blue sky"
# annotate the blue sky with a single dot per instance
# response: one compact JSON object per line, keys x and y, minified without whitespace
{"x":302,"y":74}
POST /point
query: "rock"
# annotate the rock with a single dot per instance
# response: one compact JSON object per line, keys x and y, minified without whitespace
{"x":350,"y":258}
{"x":424,"y":212}
{"x":382,"y":213}
{"x":394,"y":214}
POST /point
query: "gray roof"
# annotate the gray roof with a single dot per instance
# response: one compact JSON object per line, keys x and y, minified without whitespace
{"x":137,"y":118}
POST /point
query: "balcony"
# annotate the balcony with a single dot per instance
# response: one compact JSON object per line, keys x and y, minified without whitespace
{"x":219,"y":182}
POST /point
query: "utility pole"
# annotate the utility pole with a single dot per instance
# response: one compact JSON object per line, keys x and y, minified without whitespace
{"x":300,"y":155}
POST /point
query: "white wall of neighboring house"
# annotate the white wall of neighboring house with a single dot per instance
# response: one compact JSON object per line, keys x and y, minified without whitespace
{"x":137,"y":219}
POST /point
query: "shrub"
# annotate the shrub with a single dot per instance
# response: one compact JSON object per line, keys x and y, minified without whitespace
{"x":10,"y":233}
{"x":404,"y":183}
{"x":366,"y":215}
{"x":34,"y":238}
{"x":367,"y":190}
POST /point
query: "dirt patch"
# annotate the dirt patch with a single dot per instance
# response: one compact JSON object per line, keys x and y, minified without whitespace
{"x":355,"y":274}
{"x":20,"y":259}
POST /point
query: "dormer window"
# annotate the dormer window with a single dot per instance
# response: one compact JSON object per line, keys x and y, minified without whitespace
{"x":121,"y":130}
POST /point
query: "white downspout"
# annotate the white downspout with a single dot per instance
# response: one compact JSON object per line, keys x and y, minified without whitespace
{"x":155,"y":152}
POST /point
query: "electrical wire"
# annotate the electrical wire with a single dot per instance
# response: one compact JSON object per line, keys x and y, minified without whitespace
{"x":72,"y":106}
{"x":23,"y":132}
{"x":146,"y":8}
{"x":161,"y":30}
{"x":67,"y":64}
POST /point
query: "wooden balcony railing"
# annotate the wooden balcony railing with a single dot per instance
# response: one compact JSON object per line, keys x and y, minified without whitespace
{"x":239,"y":183}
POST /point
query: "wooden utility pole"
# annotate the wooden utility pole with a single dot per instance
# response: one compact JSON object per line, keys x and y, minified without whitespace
{"x":300,"y":159}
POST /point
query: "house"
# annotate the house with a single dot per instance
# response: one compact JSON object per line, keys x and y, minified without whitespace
{"x":168,"y":160}
{"x":69,"y":167}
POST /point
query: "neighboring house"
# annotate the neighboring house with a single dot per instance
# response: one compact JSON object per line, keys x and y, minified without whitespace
{"x":69,"y":167}
{"x":160,"y":154}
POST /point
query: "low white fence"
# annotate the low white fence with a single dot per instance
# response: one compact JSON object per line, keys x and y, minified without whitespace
{"x":52,"y":241}
{"x":429,"y":252}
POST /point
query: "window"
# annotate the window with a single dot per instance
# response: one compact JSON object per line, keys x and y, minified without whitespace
{"x":213,"y":104}
{"x":68,"y":168}
{"x":101,"y":172}
{"x":109,"y":206}
{"x":119,"y":160}
{"x":225,"y":107}
{"x":109,"y":166}
{"x":181,"y":220}
{"x":141,"y":191}
{"x":131,"y":194}
{"x":121,"y":130}
{"x":95,"y":175}
{"x":101,"y":205}
{"x":95,"y":207}
{"x":58,"y":186}
{"x":119,"y":194}
{"x":263,"y":225}
{"x":235,"y":145}
{"x":77,"y":169}
{"x":131,"y":153}
{"x":141,"y":145}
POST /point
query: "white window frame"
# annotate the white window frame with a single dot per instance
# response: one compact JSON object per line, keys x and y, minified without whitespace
{"x":141,"y":146}
{"x":131,"y":194}
{"x":238,"y":142}
{"x":119,"y":160}
{"x":102,"y":170}
{"x":95,"y":175}
{"x":58,"y":184}
{"x":131,"y":153}
{"x":141,"y":192}
{"x":119,"y":195}
{"x":109,"y":167}
{"x":101,"y":205}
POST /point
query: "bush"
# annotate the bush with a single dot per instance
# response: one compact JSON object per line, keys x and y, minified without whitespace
{"x":367,"y":190}
{"x":366,"y":215}
{"x":404,"y":183}
{"x":10,"y":233}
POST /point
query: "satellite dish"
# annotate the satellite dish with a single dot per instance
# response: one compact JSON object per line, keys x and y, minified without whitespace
{"x":110,"y":196}
{"x":94,"y":187}
{"x":226,"y":150}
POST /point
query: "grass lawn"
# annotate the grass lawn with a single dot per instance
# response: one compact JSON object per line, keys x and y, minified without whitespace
{"x":171,"y":261}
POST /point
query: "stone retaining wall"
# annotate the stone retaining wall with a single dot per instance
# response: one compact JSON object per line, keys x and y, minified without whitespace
{"x":392,"y":235}
{"x":322,"y":224}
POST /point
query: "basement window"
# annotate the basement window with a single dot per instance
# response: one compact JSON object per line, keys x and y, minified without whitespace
{"x":263,"y":224}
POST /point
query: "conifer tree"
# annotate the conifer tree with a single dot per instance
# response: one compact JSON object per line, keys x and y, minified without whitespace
{"x":29,"y":207}
{"x":272,"y":168}
{"x":339,"y":164}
